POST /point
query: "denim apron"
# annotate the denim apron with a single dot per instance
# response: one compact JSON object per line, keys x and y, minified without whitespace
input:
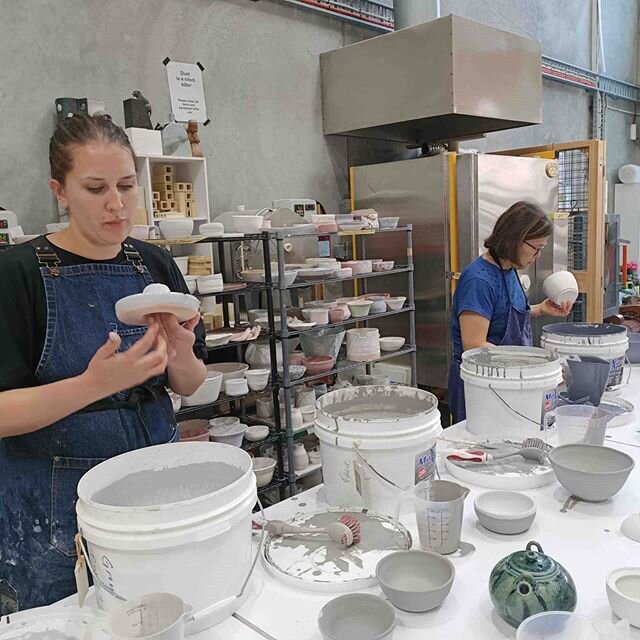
{"x":40,"y":470}
{"x":517,"y":333}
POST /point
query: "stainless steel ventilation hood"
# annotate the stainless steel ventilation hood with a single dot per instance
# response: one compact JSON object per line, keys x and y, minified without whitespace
{"x":450,"y":78}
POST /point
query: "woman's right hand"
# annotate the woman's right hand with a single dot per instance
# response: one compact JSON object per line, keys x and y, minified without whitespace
{"x":110,"y":372}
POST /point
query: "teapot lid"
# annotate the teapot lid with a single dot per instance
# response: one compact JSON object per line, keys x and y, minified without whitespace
{"x":533,"y":562}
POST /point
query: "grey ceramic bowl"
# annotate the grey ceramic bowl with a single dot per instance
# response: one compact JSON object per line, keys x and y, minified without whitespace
{"x":357,"y":616}
{"x":591,"y":472}
{"x":507,"y":512}
{"x":415,"y":580}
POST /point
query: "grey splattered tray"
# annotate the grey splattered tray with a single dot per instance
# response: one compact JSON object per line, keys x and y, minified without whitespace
{"x":318,"y":564}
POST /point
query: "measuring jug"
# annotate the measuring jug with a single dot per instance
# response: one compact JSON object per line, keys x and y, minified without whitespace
{"x":439,"y":507}
{"x":160,"y":616}
{"x":565,"y":625}
{"x":582,"y":424}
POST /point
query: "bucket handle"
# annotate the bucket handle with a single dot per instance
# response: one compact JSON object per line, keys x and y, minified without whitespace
{"x":190,"y":617}
{"x":521,"y":415}
{"x":375,"y":471}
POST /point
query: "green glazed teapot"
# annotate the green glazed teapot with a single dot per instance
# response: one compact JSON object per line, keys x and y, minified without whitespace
{"x":529,"y":582}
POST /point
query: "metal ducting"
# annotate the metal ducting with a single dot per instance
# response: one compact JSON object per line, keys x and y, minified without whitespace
{"x":450,"y":78}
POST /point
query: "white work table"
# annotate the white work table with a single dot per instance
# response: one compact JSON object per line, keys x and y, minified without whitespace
{"x":586,"y":540}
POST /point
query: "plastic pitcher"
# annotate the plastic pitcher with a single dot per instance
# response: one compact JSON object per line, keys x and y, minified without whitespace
{"x":160,"y":616}
{"x":581,"y":424}
{"x":587,"y":378}
{"x":565,"y":625}
{"x":439,"y":507}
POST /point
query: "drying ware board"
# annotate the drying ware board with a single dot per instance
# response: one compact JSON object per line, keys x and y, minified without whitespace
{"x":316,"y":563}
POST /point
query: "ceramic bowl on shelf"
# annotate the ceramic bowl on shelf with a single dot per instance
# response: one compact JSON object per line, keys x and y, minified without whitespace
{"x":296,"y":417}
{"x":505,"y":512}
{"x":217,"y":339}
{"x":327,"y":263}
{"x":379,"y":304}
{"x":316,"y":274}
{"x":591,"y":472}
{"x":357,"y":615}
{"x":296,"y":358}
{"x":210,"y":284}
{"x":229,"y":370}
{"x":190,"y":281}
{"x":247,"y":223}
{"x":207,"y":392}
{"x":193,"y":431}
{"x":344,"y":272}
{"x":388,"y":223}
{"x":337,"y":314}
{"x":236,"y":387}
{"x":308,"y":414}
{"x":415,"y":580}
{"x":316,"y":365}
{"x":353,"y":265}
{"x":264,"y":407}
{"x":232,"y":435}
{"x":211,"y":229}
{"x":351,"y":226}
{"x":365,"y":266}
{"x":360,"y":308}
{"x":316,"y":314}
{"x":256,"y":432}
{"x":623,"y":591}
{"x":315,"y":457}
{"x":263,"y":469}
{"x":257,"y":378}
{"x":223,"y":422}
{"x":391,"y":343}
{"x":396,"y":303}
{"x":296,"y":371}
{"x":183,"y":264}
{"x":383,"y":265}
{"x":173,"y":229}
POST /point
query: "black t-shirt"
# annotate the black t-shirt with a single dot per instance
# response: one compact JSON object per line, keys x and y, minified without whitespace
{"x":23,"y":305}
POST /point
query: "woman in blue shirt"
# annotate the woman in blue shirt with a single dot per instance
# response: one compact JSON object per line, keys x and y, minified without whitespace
{"x":490,"y":306}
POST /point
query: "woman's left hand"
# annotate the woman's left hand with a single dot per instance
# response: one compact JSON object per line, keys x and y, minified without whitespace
{"x":180,"y":338}
{"x":549,"y":308}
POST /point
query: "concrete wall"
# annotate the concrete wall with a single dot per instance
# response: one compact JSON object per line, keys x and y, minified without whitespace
{"x":262,"y":86}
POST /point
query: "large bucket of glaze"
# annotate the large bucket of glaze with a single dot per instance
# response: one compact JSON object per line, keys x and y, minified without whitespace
{"x":376,"y":443}
{"x":510,"y":392}
{"x":173,"y":518}
{"x":570,"y":340}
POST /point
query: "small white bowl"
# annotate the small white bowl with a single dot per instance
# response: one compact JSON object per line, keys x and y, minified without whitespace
{"x":365,"y":266}
{"x":207,"y":392}
{"x":232,"y":436}
{"x":179,"y":228}
{"x":561,"y":287}
{"x":308,"y":413}
{"x":224,"y":423}
{"x":315,"y":457}
{"x":623,"y":591}
{"x":247,"y":223}
{"x":506,"y":512}
{"x":359,"y":308}
{"x":183,"y":264}
{"x":344,"y":272}
{"x":372,"y":617}
{"x":396,"y":303}
{"x":236,"y":387}
{"x":210,"y":284}
{"x":317,"y":315}
{"x":229,"y":370}
{"x":190,"y":281}
{"x":217,"y":339}
{"x":256,"y":433}
{"x":391,"y":343}
{"x":211,"y":229}
{"x":257,"y":378}
{"x":383,"y":265}
{"x":263,"y":469}
{"x":352,"y":226}
{"x":388,"y":223}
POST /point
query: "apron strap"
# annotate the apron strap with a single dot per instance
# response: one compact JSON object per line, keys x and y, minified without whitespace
{"x":47,"y":257}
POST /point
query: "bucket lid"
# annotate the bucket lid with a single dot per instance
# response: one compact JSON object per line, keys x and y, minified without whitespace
{"x":502,"y":358}
{"x":584,"y":329}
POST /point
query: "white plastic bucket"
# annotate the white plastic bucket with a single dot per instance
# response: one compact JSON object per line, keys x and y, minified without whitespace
{"x":174,"y":518}
{"x":574,"y":339}
{"x":376,"y":443}
{"x":509,"y":391}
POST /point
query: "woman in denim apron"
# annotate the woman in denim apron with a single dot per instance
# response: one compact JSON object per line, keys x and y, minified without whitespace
{"x":490,"y":306}
{"x":100,"y":384}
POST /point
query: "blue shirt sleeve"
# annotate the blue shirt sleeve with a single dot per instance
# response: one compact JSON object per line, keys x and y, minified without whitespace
{"x":477,"y":295}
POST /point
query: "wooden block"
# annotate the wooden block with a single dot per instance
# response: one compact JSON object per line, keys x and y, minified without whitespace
{"x":165,"y":169}
{"x":188,"y":186}
{"x":155,"y":195}
{"x":181,"y":201}
{"x":194,"y":208}
{"x":173,"y":204}
{"x":164,"y":205}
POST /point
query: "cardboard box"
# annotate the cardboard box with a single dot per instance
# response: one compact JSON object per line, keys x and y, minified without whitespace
{"x":145,"y":142}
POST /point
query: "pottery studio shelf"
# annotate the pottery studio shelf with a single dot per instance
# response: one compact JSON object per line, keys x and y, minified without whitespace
{"x":204,"y":410}
{"x":298,"y":433}
{"x":308,"y":470}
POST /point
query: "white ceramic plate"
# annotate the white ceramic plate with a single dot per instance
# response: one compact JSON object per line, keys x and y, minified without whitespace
{"x":156,"y":298}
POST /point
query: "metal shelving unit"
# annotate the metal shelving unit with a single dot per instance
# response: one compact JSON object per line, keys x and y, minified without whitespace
{"x":282,"y":436}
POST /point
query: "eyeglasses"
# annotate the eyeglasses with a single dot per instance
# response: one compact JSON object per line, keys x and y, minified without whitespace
{"x":538,"y":250}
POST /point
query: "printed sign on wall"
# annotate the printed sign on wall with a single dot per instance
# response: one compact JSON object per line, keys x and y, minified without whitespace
{"x":187,"y":91}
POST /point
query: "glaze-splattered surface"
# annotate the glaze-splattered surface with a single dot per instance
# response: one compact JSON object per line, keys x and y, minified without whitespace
{"x":54,"y":626}
{"x":319,"y":564}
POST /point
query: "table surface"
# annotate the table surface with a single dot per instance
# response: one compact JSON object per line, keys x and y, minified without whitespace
{"x":585,"y":539}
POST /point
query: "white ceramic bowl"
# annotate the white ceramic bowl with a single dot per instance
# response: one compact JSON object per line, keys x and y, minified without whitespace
{"x":561,"y":287}
{"x":296,"y":371}
{"x":207,"y":392}
{"x":357,"y":615}
{"x":232,"y":436}
{"x":360,"y":308}
{"x":256,"y":432}
{"x":308,"y":413}
{"x":211,"y":229}
{"x":391,"y":343}
{"x":263,"y":469}
{"x":247,"y":224}
{"x":506,"y":512}
{"x":236,"y":387}
{"x":210,"y":284}
{"x":229,"y":370}
{"x":344,"y":272}
{"x":180,"y":228}
{"x":317,"y":273}
{"x":317,"y":315}
{"x":365,"y":266}
{"x":264,"y":407}
{"x":183,"y":264}
{"x":388,"y":223}
{"x":383,"y":265}
{"x":257,"y":378}
{"x":623,"y":591}
{"x":223,"y":422}
{"x":190,"y":281}
{"x":354,"y":225}
{"x":329,"y":263}
{"x":396,"y":303}
{"x":217,"y":339}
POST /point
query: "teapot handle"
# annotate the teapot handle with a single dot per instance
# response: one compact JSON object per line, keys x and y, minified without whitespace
{"x":536,"y":544}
